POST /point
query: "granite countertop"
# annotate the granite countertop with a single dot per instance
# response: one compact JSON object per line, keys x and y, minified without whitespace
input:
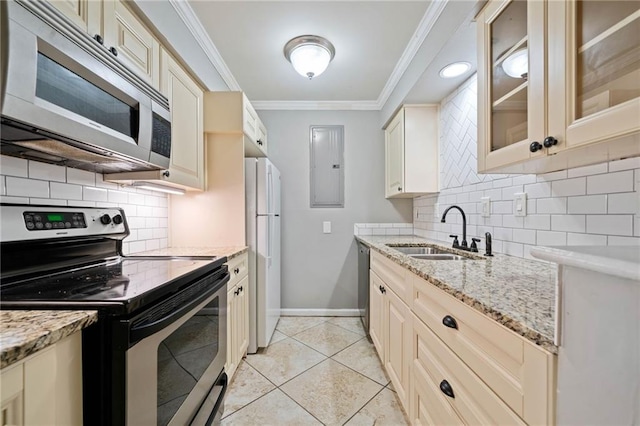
{"x":23,"y":333}
{"x":229,"y":251}
{"x":619,"y":261}
{"x":518,"y":293}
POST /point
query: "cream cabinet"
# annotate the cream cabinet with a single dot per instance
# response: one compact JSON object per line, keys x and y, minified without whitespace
{"x":231,"y":113}
{"x":186,"y":102}
{"x":411,"y":152}
{"x":86,"y":14}
{"x":46,"y":387}
{"x":560,"y":95}
{"x":237,"y":313}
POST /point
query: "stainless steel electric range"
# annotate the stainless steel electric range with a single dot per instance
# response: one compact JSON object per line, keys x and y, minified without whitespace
{"x":157,"y":353}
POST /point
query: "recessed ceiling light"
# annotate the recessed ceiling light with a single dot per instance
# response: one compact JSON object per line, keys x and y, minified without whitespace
{"x":455,"y":69}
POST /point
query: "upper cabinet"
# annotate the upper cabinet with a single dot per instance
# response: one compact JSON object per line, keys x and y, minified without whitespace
{"x":231,"y":113}
{"x":555,"y":77}
{"x":411,"y":152}
{"x":85,"y":14}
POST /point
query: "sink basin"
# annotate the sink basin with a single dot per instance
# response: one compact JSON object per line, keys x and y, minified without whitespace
{"x":418,"y":250}
{"x":440,"y":256}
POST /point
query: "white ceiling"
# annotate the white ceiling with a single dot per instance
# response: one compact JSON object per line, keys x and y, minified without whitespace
{"x":374,"y":40}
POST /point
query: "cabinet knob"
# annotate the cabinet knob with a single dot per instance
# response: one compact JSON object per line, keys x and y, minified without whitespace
{"x":237,"y":292}
{"x":399,"y":188}
{"x":446,"y":389}
{"x":113,"y":50}
{"x":166,"y":173}
{"x":240,"y":289}
{"x":259,"y":141}
{"x":450,"y":322}
{"x":535,"y":146}
{"x":549,"y":141}
{"x":236,"y":271}
{"x":98,"y":38}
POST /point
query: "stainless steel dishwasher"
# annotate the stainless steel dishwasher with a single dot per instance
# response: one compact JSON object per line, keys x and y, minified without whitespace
{"x":363,"y":285}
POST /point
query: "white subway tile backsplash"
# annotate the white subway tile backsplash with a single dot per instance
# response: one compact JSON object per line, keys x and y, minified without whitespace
{"x":547,"y":177}
{"x":66,"y":191}
{"x":628,"y":202}
{"x":81,"y":177}
{"x":137,"y":199}
{"x":3,"y":186}
{"x":115,"y":196}
{"x":160,"y":212}
{"x":524,"y":179}
{"x":82,"y":203}
{"x":94,"y":194}
{"x":513,"y":249}
{"x":21,"y":187}
{"x":137,"y":246}
{"x":13,"y":166}
{"x":47,"y":202}
{"x":509,"y":193}
{"x":590,"y":204}
{"x":568,"y":187}
{"x":501,"y":207}
{"x":612,"y":240}
{"x":538,"y":190}
{"x":556,"y":205}
{"x":568,"y":223}
{"x":46,"y":171}
{"x":526,"y":236}
{"x":610,"y":224}
{"x":152,"y":245}
{"x":510,"y":221}
{"x":505,"y":234}
{"x":586,"y":240}
{"x":502,"y":183}
{"x":537,"y":221}
{"x":13,"y":200}
{"x":101,"y":183}
{"x":145,"y":234}
{"x":610,"y":183}
{"x":551,"y":238}
{"x":626,"y":164}
{"x":594,"y":169}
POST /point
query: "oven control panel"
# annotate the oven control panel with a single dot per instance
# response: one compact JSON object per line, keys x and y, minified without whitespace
{"x":29,"y":222}
{"x":41,"y":221}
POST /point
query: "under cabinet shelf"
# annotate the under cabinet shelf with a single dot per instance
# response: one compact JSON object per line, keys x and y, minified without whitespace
{"x":618,"y":26}
{"x":514,"y":100}
{"x":514,"y":48}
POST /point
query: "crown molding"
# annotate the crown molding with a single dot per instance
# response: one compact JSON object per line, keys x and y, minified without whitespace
{"x":189,"y":17}
{"x":317,"y":105}
{"x":427,"y":22}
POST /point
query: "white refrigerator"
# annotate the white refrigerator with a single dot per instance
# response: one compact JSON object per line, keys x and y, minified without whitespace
{"x":263,"y":238}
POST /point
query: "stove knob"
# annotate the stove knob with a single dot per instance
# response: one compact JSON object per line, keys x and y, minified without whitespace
{"x":105,"y":219}
{"x":117,"y":219}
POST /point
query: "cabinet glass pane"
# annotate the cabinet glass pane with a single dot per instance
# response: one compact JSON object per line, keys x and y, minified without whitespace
{"x":608,"y":54}
{"x":509,"y":88}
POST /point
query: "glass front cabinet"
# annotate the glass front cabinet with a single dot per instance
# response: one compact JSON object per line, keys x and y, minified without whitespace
{"x":555,"y":77}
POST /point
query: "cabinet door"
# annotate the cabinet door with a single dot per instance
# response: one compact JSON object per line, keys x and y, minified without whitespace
{"x":12,"y":394}
{"x":394,"y":155}
{"x":261,"y":138}
{"x":511,"y":82}
{"x":84,"y":13}
{"x":230,"y":365}
{"x":243,"y":318}
{"x":249,"y":119}
{"x":137,"y":47}
{"x":594,"y":62}
{"x":376,"y":313}
{"x":187,"y":137}
{"x":397,"y":346}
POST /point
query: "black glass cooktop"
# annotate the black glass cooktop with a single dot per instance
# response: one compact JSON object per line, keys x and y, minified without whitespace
{"x":121,"y":284}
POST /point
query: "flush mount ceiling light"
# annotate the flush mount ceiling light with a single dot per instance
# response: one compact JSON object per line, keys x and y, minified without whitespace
{"x":516,"y":65}
{"x":310,"y":55}
{"x":455,"y":69}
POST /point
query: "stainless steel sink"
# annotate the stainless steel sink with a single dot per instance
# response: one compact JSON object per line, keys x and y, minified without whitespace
{"x":418,"y":250}
{"x":439,"y":256}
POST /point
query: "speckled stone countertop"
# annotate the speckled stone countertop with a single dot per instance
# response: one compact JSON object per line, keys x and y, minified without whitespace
{"x":230,"y":252}
{"x":518,"y":293}
{"x":23,"y":333}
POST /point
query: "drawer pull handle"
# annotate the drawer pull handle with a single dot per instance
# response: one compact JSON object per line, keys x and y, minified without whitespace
{"x":450,"y":322}
{"x":236,"y":271}
{"x":446,"y":389}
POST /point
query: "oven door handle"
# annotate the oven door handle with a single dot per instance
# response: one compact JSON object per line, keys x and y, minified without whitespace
{"x":224,"y":380}
{"x":139,"y":332}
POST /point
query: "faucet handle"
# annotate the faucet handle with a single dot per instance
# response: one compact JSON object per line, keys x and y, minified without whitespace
{"x":455,"y":240}
{"x":474,"y":247}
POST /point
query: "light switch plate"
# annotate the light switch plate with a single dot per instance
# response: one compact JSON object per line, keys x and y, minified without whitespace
{"x":326,"y":227}
{"x":520,"y":204}
{"x":485,"y":206}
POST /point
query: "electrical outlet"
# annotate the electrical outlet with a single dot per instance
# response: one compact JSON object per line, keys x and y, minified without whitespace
{"x":520,"y":204}
{"x":485,"y":206}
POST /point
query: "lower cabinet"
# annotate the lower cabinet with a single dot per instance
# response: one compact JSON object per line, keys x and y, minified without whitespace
{"x":451,"y":364}
{"x":46,"y":387}
{"x":237,"y":313}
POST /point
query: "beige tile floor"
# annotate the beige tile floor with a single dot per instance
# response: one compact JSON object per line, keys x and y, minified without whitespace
{"x":317,"y":370}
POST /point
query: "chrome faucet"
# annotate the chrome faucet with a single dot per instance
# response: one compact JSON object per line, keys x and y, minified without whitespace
{"x":463,"y":245}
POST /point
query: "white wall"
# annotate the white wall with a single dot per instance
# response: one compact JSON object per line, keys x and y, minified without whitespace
{"x":593,"y":205}
{"x":319,"y":271}
{"x":32,"y":182}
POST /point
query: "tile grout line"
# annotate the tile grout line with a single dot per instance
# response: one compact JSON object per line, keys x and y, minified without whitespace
{"x":364,"y":405}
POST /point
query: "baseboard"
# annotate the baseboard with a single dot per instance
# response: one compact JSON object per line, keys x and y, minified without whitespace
{"x":320,"y":312}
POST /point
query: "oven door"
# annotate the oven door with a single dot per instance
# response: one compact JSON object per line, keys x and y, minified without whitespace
{"x":174,"y":370}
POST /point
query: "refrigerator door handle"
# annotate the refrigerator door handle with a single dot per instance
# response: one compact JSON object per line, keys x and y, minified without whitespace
{"x":269,"y":191}
{"x":269,"y":242}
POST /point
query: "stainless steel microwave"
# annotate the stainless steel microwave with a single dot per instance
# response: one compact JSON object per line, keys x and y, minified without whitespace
{"x":67,"y":100}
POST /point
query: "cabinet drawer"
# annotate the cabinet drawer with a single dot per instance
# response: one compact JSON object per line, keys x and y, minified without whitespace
{"x":394,"y":276}
{"x":520,"y":373}
{"x":238,"y":268}
{"x":471,"y":398}
{"x":429,"y":405}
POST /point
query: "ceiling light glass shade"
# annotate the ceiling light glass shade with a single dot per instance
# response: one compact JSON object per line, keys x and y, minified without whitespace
{"x":309,"y":55}
{"x":455,"y":69}
{"x":516,"y":65}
